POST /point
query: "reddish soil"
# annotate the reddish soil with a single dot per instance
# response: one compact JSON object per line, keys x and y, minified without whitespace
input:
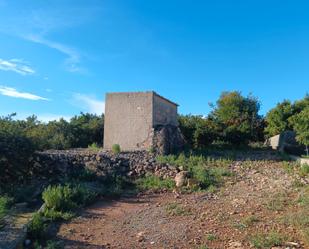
{"x":226,"y":219}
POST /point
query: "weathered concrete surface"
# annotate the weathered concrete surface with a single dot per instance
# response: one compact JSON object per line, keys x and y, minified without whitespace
{"x":300,"y":160}
{"x":131,"y":118}
{"x":286,"y":142}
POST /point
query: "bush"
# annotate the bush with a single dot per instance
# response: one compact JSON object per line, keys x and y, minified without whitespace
{"x":67,"y":198}
{"x":37,"y":227}
{"x":237,"y":117}
{"x":116,"y":148}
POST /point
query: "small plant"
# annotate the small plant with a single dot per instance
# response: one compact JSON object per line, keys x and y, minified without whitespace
{"x":94,"y":147}
{"x":212,"y":237}
{"x":176,"y":209}
{"x":116,"y":149}
{"x":267,"y":240}
{"x":154,"y":183}
{"x":151,"y":150}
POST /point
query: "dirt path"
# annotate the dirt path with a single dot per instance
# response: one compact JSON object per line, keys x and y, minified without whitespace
{"x":252,"y":202}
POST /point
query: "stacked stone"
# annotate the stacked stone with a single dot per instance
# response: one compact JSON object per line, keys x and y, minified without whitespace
{"x":135,"y":164}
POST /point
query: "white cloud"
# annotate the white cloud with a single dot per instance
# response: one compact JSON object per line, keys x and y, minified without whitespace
{"x":16,"y":65}
{"x":44,"y":117}
{"x":73,"y":57}
{"x":12,"y":92}
{"x":89,"y":103}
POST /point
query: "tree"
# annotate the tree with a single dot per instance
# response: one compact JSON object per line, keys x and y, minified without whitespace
{"x":280,"y":118}
{"x":237,"y":117}
{"x":277,"y":118}
{"x":198,"y":131}
{"x":300,"y":123}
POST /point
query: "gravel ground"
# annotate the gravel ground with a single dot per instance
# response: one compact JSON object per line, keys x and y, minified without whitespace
{"x":227,"y":218}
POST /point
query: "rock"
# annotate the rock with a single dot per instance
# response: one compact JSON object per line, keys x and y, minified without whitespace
{"x":167,"y":139}
{"x":181,"y":179}
{"x":235,"y":245}
{"x":140,"y":236}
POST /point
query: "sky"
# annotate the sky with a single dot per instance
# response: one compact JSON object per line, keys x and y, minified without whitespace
{"x":60,"y":57}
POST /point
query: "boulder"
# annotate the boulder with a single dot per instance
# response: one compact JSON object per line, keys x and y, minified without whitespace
{"x":286,"y":142}
{"x":167,"y":139}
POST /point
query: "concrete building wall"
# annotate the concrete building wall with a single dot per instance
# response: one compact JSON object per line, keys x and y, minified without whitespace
{"x":164,"y":111}
{"x":128,"y":120}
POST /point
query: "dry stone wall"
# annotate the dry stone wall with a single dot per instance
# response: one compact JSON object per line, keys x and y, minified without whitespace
{"x":61,"y":163}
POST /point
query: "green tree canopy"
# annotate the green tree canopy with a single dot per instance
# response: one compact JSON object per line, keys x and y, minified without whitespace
{"x":280,"y":118}
{"x":237,"y":117}
{"x":300,"y":123}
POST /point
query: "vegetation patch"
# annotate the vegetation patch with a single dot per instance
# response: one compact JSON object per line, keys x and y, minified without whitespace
{"x":66,"y":198}
{"x":212,"y":237}
{"x":246,"y":222}
{"x":267,"y":240}
{"x":94,"y":147}
{"x":152,"y":182}
{"x":277,"y":202}
{"x":207,"y":171}
{"x":5,"y":204}
{"x":300,"y":218}
{"x":176,"y":209}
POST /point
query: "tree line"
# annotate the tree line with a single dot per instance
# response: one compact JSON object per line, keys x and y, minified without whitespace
{"x":235,"y":119}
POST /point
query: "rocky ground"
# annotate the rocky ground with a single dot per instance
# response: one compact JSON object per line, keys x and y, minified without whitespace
{"x":249,"y":211}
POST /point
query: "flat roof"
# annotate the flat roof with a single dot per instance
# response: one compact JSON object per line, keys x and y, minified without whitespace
{"x":165,"y":98}
{"x":152,"y":92}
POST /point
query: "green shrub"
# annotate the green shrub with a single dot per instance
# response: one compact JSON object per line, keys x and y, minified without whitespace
{"x":67,"y":198}
{"x":155,"y":183}
{"x":57,"y":215}
{"x":37,"y":227}
{"x":116,"y":148}
{"x":212,"y":237}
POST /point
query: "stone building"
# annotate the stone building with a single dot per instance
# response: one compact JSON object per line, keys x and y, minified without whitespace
{"x":134,"y":119}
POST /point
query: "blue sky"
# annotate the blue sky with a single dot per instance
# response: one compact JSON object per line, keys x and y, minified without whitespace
{"x":58,"y":58}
